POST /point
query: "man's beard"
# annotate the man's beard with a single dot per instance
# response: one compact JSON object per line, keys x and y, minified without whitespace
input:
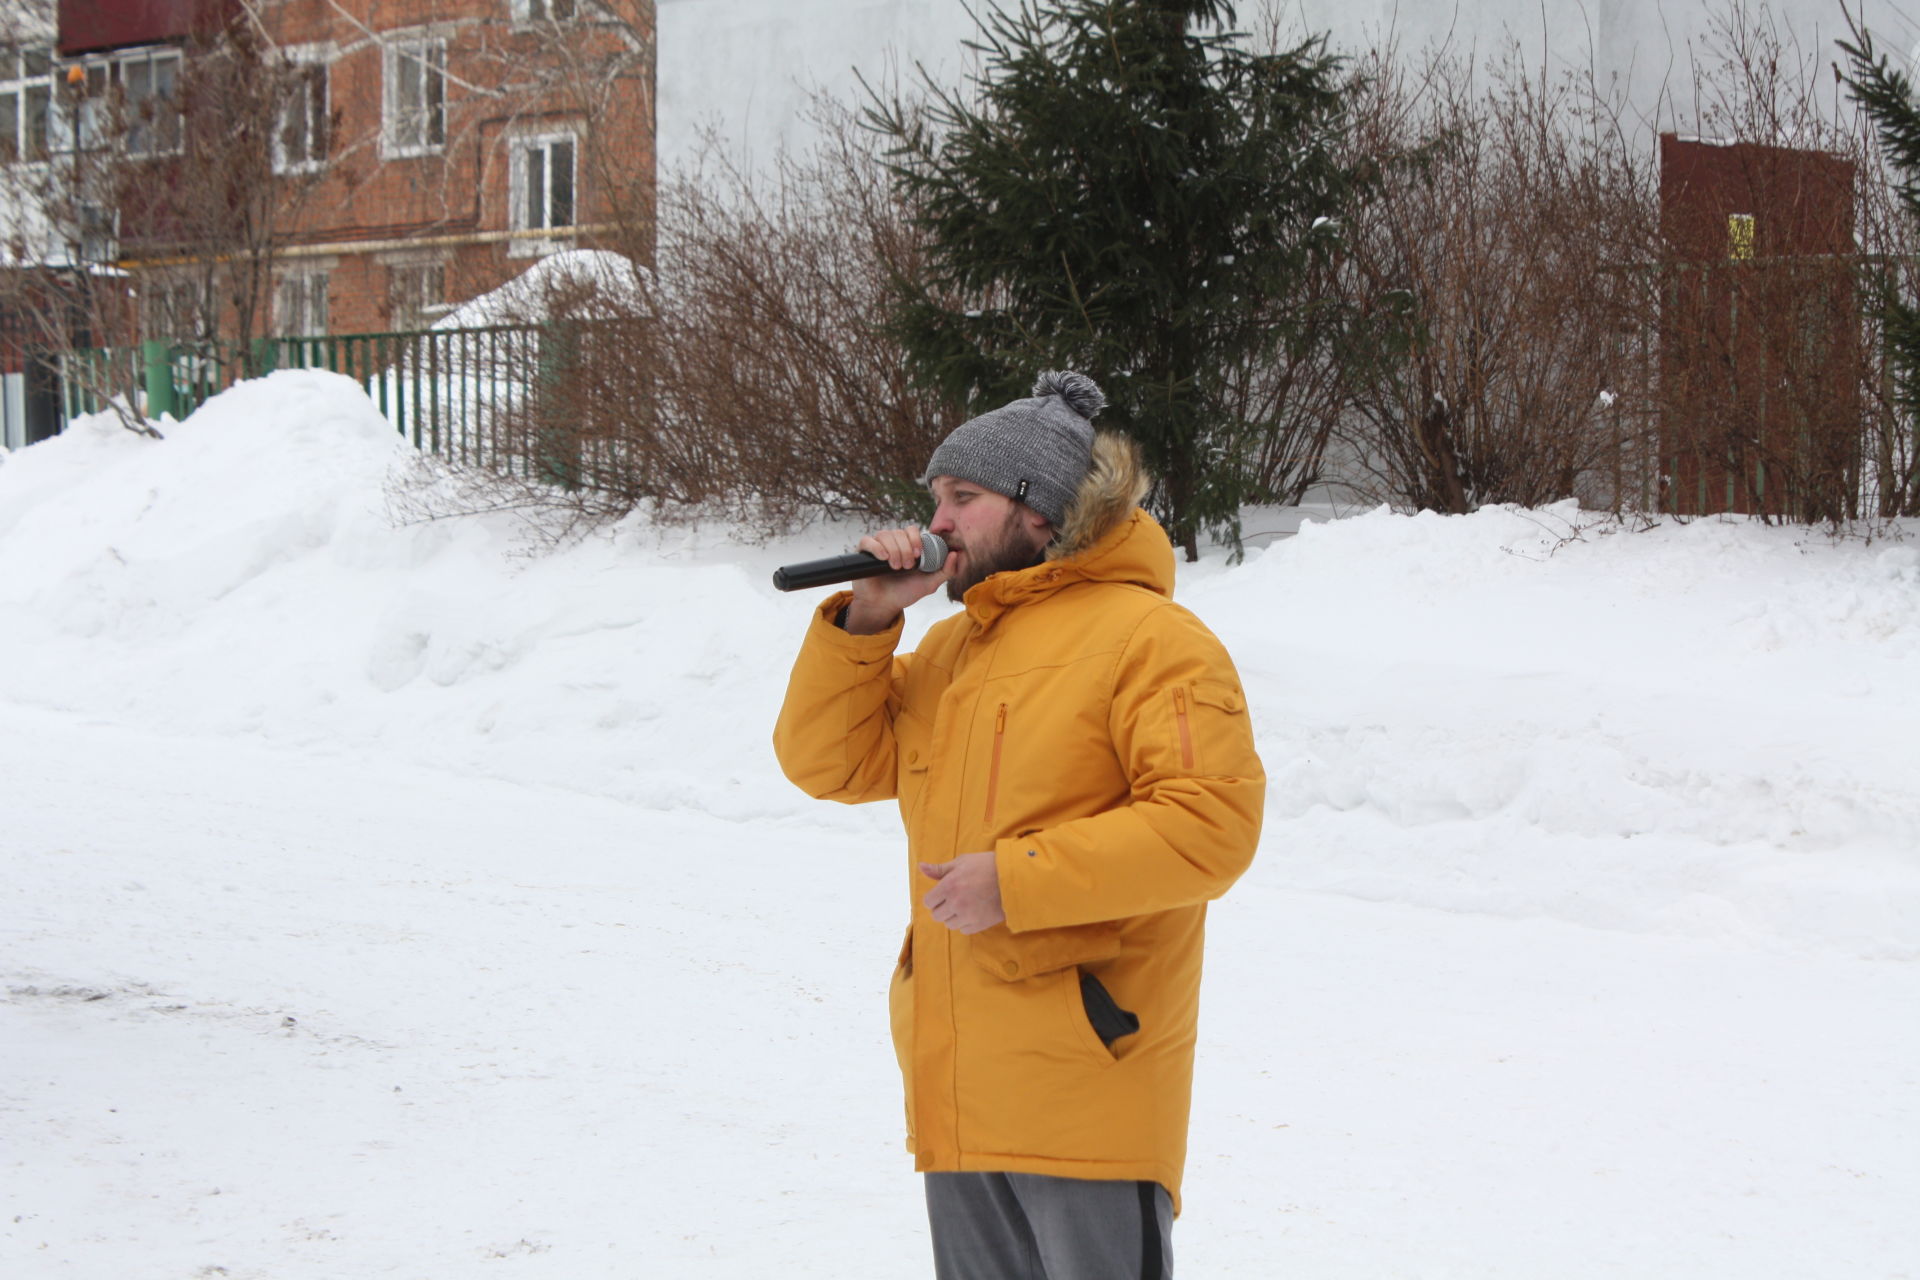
{"x":1007,"y":551}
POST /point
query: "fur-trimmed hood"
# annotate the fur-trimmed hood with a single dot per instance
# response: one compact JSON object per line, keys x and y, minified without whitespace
{"x":1116,"y":482}
{"x":1105,"y":537}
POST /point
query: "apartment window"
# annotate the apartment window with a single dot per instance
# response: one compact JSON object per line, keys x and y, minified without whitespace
{"x":78,"y":114}
{"x":300,"y":304}
{"x":95,"y":232}
{"x":541,"y":188}
{"x":26,"y":97}
{"x":149,"y":95}
{"x":416,"y":293}
{"x":416,"y":97}
{"x":144,"y":87}
{"x":173,"y":308}
{"x":301,"y":137}
{"x":542,"y":10}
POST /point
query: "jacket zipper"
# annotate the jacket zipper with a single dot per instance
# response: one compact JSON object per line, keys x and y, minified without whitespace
{"x":1186,"y":729}
{"x":993,"y":771}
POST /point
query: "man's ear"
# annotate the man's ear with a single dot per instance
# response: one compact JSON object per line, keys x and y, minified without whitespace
{"x":1039,"y":529}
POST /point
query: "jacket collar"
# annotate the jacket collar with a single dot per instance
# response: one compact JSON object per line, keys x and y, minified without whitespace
{"x":1135,"y":551}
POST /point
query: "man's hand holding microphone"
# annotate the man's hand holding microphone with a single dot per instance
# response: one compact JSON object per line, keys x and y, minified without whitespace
{"x":881,"y":570}
{"x":878,"y":600}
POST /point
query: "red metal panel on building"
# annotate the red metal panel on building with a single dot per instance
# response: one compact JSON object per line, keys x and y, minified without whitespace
{"x":1759,"y":330}
{"x":1801,"y":201}
{"x":92,"y":26}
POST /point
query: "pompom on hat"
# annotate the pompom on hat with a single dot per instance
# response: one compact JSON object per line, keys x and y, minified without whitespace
{"x":1035,"y":451}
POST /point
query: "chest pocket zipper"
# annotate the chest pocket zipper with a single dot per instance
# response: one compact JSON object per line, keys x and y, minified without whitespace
{"x":993,"y":770}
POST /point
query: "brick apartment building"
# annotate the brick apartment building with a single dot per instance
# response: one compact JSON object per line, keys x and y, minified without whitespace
{"x":424,"y":151}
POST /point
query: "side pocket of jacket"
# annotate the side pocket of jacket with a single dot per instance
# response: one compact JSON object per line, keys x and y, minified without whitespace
{"x":1109,"y":1021}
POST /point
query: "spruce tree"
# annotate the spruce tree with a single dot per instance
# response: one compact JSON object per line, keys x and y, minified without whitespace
{"x":1887,"y":96}
{"x":1127,"y":189}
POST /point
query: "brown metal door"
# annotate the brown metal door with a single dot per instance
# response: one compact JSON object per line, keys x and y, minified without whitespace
{"x":1759,"y":331}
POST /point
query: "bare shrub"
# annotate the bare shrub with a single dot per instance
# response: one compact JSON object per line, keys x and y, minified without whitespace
{"x":772,"y":298}
{"x":1502,"y":267}
{"x":748,"y":378}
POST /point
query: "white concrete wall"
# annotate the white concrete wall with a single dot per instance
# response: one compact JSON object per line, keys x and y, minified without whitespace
{"x":744,"y":67}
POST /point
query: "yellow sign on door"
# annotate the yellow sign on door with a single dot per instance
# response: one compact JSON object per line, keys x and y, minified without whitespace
{"x":1739,"y":236}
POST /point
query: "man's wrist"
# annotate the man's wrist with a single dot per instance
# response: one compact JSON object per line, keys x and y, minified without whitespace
{"x":862,"y":622}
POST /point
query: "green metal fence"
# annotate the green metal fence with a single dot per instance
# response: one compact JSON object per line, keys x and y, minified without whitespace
{"x":466,"y":395}
{"x":461,"y":394}
{"x":155,"y":378}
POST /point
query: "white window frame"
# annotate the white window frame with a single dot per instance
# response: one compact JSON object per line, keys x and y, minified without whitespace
{"x":521,"y":168}
{"x":74,"y":125}
{"x":152,"y":59}
{"x":308,"y":59}
{"x":531,"y":11}
{"x":307,"y":284}
{"x":104,"y":78}
{"x":20,"y":87}
{"x":429,"y":53}
{"x":94,"y":233}
{"x":422,"y":315}
{"x":172,"y":298}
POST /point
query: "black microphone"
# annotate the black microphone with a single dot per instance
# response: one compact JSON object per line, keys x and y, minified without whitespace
{"x":856,"y":564}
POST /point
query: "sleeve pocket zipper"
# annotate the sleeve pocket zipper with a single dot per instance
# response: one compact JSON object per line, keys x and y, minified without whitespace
{"x":1185,"y":725}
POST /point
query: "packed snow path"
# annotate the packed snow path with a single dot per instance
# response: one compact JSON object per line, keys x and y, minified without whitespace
{"x":269,"y":1015}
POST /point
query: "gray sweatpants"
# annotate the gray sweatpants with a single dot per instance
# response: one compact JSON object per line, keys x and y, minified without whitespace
{"x":1028,"y":1226}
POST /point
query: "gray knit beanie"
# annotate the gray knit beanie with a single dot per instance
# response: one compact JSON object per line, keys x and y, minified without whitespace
{"x":1034,"y":451}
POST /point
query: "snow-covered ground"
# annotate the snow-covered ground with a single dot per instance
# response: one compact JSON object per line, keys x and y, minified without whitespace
{"x":402,"y":901}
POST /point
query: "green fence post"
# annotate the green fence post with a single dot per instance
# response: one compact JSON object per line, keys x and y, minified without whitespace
{"x":559,"y":351}
{"x":159,"y":367}
{"x":416,"y":360}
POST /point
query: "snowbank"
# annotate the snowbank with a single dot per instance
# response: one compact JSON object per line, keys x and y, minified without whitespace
{"x":570,"y":273}
{"x":1701,"y":729}
{"x":390,"y":899}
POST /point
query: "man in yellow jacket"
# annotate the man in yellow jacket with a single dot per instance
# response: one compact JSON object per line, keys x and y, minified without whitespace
{"x":1075,"y":767}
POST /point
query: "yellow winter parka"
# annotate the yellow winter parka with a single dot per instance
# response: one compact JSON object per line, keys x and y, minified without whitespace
{"x":1094,"y":736}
